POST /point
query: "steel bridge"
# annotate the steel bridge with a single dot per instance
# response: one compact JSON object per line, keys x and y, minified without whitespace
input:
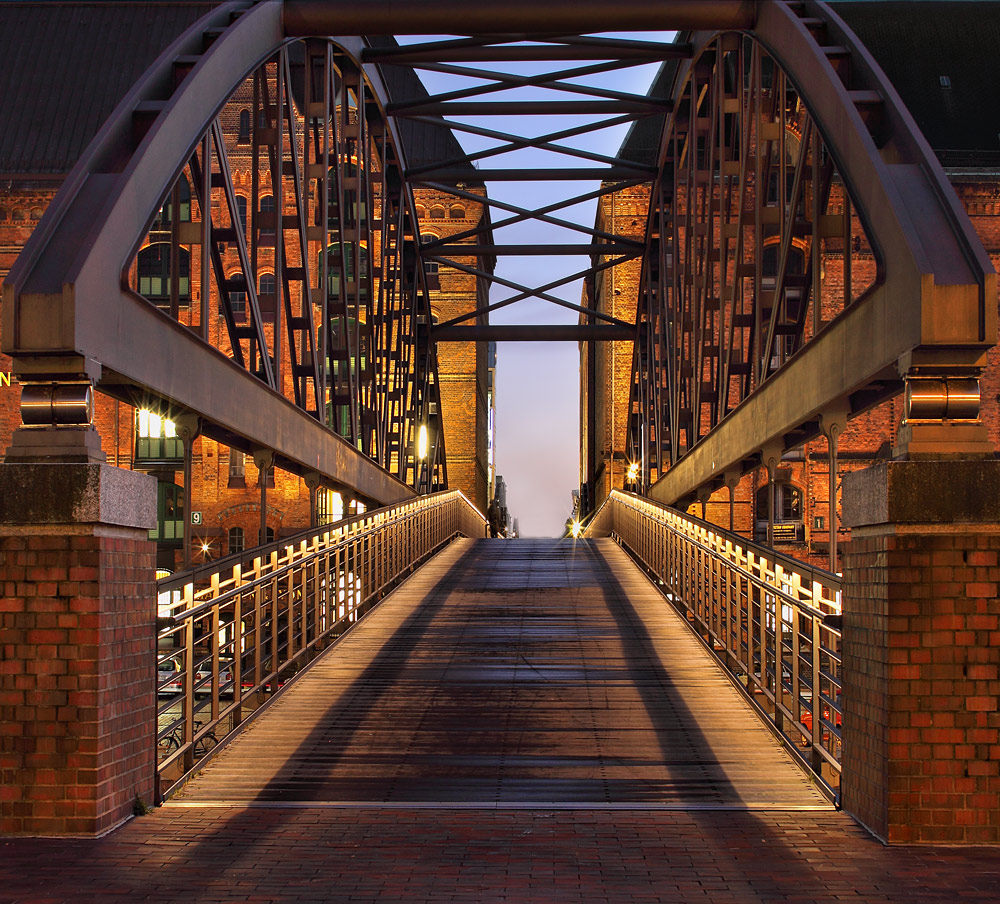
{"x":397,"y":658}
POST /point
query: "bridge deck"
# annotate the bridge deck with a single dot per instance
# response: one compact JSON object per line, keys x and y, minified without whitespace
{"x":524,"y":674}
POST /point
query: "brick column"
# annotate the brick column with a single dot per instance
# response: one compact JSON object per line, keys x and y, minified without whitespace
{"x":77,"y":647}
{"x":921,"y":651}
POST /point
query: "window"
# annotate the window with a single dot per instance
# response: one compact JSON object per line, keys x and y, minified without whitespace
{"x":266,"y":284}
{"x":430,"y":267}
{"x":238,"y":297}
{"x":268,"y":223}
{"x":241,"y":211}
{"x":235,"y":540}
{"x":237,"y":468}
{"x":457,"y":212}
{"x":156,"y":439}
{"x":787,"y":511}
{"x":437,"y":213}
{"x":421,"y":211}
{"x":244,"y":125}
{"x":163,"y":221}
{"x":20,"y":214}
{"x":329,"y":506}
{"x":153,"y":266}
{"x":268,"y":536}
{"x":3,"y":215}
{"x":169,"y":528}
{"x":36,"y":213}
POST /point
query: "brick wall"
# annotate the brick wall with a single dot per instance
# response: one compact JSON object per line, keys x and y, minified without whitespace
{"x":77,"y":679}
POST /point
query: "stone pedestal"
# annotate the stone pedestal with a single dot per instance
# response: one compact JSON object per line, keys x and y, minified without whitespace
{"x":77,"y":647}
{"x":921,"y":651}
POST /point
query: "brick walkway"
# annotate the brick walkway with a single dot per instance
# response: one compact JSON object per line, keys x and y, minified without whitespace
{"x":475,"y":857}
{"x":520,"y":723}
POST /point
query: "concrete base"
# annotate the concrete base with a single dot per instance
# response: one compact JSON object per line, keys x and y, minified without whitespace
{"x":921,"y":651}
{"x":78,"y":629}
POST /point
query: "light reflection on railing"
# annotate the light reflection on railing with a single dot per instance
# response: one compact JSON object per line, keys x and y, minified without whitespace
{"x":763,"y":615}
{"x":233,"y":632}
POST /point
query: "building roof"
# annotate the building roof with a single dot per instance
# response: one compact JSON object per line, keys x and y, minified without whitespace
{"x":921,"y":43}
{"x":917,"y":43}
{"x":67,"y":65}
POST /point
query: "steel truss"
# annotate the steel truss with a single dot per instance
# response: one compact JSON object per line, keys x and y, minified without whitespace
{"x":787,"y":278}
{"x":339,"y":341}
{"x":731,"y":360}
{"x":564,"y":63}
{"x":342,"y":330}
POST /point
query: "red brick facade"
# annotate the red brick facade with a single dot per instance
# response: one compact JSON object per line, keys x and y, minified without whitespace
{"x":77,"y":622}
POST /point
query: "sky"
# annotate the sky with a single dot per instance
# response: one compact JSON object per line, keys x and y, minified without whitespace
{"x":538,"y":383}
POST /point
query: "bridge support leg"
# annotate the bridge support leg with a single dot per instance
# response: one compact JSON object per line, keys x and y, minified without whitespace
{"x":78,"y":635}
{"x":921,"y":651}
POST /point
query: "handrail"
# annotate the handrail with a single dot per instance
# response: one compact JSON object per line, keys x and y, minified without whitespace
{"x":232,"y":632}
{"x":773,"y":622}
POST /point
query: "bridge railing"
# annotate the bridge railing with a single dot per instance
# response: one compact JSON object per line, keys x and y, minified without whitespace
{"x":772,"y":621}
{"x":233,"y":632}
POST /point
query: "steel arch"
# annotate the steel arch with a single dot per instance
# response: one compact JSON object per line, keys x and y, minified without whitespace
{"x":926,"y":322}
{"x":68,"y":314}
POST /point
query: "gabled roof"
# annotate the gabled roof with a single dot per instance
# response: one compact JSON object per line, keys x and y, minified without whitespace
{"x":65,"y":67}
{"x":919,"y":42}
{"x":67,"y":64}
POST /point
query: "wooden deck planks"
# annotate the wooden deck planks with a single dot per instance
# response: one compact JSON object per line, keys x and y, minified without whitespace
{"x":512,"y":674}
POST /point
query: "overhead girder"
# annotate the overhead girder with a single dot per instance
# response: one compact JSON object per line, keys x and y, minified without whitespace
{"x":69,"y":315}
{"x":927,"y":320}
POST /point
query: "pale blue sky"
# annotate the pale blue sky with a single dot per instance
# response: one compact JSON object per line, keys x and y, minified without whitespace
{"x":537,"y":430}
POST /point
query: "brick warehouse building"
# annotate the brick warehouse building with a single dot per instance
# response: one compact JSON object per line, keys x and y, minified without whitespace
{"x":938,"y":55}
{"x":60,"y":90}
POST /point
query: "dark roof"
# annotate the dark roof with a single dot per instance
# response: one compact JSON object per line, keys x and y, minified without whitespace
{"x":65,"y":67}
{"x":642,"y":142}
{"x":916,"y":42}
{"x":67,"y":64}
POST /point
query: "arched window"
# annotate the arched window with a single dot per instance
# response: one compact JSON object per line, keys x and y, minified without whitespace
{"x":3,"y":215}
{"x":268,"y":223}
{"x":244,"y":125}
{"x":235,"y":539}
{"x":430,"y":267}
{"x":437,"y":213}
{"x":333,"y":267}
{"x":241,"y":211}
{"x":20,"y":214}
{"x":421,"y":211}
{"x":456,"y":212}
{"x":266,"y":284}
{"x":153,"y":267}
{"x":238,"y":297}
{"x":36,"y":213}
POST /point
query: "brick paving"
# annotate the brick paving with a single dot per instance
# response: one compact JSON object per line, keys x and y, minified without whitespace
{"x":683,"y":834}
{"x":588,"y":856}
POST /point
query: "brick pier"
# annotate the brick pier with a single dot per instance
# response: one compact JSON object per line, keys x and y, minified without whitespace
{"x":922,"y":651}
{"x":77,"y":623}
